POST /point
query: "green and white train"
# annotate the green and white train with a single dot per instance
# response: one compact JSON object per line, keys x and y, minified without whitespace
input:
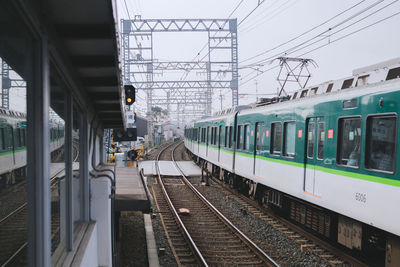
{"x":13,"y":143}
{"x":325,"y":157}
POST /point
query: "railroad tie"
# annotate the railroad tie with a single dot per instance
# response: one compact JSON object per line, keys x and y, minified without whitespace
{"x":305,"y":247}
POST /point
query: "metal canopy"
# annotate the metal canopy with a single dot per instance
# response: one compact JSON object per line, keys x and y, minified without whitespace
{"x":88,"y":40}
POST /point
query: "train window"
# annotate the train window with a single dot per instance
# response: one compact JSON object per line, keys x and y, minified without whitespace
{"x":289,"y":131}
{"x":313,"y":91}
{"x":329,"y":89}
{"x":393,"y":74}
{"x":276,"y":133}
{"x":352,"y":103}
{"x":321,"y":140}
{"x":347,"y":83}
{"x":215,"y":136}
{"x":2,"y":143}
{"x":212,"y":136}
{"x":349,"y":142}
{"x":362,"y":80}
{"x":230,"y":136}
{"x":246,"y":138}
{"x":220,"y":130}
{"x":259,"y":136}
{"x":208,"y":136}
{"x":294,"y":95}
{"x":303,"y":93}
{"x":239,"y":139}
{"x":226,"y":136}
{"x":310,"y":140}
{"x":381,"y":143}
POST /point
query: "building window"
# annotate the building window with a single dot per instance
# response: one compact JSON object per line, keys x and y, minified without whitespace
{"x":381,"y":143}
{"x":289,"y":139}
{"x":321,"y":140}
{"x":276,"y":133}
{"x":349,"y":142}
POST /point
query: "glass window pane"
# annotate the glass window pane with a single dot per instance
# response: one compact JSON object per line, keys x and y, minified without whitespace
{"x":310,"y":140}
{"x":290,"y":137}
{"x":381,"y":143}
{"x":246,"y":145}
{"x":260,"y":136}
{"x":349,"y":142}
{"x":276,"y":133}
{"x":230,"y":136}
{"x":239,"y":136}
{"x":321,"y":140}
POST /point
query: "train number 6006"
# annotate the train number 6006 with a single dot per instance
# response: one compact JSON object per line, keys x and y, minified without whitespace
{"x":361,"y":197}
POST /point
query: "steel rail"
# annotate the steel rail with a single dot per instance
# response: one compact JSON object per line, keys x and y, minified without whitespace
{"x":224,"y":219}
{"x":172,"y":207}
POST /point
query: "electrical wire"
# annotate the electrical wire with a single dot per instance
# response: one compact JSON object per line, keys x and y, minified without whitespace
{"x":304,"y":44}
{"x":335,"y":40}
{"x":314,"y":37}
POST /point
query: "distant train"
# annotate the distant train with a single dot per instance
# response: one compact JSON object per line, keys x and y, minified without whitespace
{"x":13,"y":143}
{"x":326,"y":157}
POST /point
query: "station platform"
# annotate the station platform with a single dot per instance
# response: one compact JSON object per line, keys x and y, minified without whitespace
{"x":130,"y":191}
{"x":168,"y":168}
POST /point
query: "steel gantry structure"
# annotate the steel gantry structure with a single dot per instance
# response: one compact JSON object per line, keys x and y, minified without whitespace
{"x":7,"y":83}
{"x":192,"y":98}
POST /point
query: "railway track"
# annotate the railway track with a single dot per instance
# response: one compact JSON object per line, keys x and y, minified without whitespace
{"x":13,"y":227}
{"x":198,"y":233}
{"x":307,"y":242}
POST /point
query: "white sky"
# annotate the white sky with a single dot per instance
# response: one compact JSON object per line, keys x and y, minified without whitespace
{"x":273,"y":23}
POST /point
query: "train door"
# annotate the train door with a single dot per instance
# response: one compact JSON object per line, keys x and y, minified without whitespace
{"x":315,"y":132}
{"x":258,"y":148}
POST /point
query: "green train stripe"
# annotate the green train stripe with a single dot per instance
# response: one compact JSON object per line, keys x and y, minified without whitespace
{"x":18,"y":150}
{"x":365,"y":177}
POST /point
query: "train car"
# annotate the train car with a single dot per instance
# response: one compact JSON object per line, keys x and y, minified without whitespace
{"x":13,"y":143}
{"x":326,"y":158}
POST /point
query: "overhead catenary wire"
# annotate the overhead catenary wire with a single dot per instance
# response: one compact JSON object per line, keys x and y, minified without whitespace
{"x":306,"y":43}
{"x":324,"y":45}
{"x":275,"y":12}
{"x":316,"y":36}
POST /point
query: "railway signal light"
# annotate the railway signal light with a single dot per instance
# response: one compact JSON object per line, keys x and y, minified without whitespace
{"x":129,"y":94}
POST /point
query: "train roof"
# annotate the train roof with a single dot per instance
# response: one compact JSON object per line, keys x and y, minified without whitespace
{"x":377,"y":73}
{"x":386,"y":86}
{"x":367,"y":78}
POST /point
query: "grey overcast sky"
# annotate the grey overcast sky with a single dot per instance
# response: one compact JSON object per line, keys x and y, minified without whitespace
{"x":275,"y":22}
